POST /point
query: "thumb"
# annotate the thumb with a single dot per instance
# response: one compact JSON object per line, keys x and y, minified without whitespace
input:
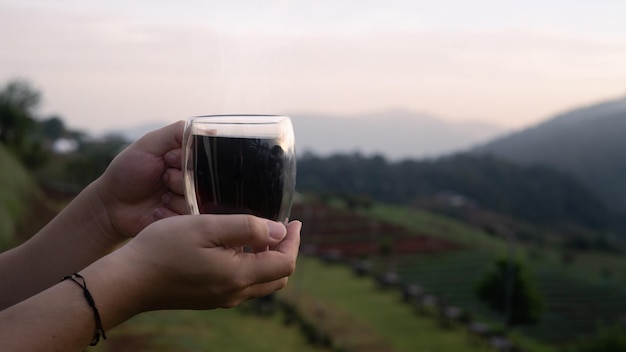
{"x":239,"y":230}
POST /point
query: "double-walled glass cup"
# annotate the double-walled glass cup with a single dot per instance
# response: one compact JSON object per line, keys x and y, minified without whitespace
{"x":240,"y":164}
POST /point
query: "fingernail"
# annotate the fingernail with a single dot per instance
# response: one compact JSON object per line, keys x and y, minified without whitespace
{"x":166,"y":199}
{"x":276,"y":229}
{"x":158,"y":214}
{"x":299,"y":225}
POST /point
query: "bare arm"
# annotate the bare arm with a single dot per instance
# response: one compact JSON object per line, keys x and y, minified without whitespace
{"x":186,"y":262}
{"x":71,"y":241}
{"x":142,"y":184}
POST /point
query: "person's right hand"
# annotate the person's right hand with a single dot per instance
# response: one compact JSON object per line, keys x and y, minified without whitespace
{"x":195,"y":262}
{"x":144,"y":183}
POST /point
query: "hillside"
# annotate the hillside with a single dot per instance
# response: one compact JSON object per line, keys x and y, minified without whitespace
{"x":539,"y":195}
{"x":20,"y":199}
{"x":446,"y":259}
{"x":587,"y":143}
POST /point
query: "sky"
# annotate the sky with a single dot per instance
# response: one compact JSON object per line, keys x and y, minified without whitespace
{"x":105,"y":65}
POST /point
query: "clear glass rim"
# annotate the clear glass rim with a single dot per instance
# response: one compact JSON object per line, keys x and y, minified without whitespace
{"x":238,"y":119}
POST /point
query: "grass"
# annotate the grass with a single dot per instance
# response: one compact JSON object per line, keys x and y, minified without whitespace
{"x":376,"y":318}
{"x":24,"y":208}
{"x":452,"y":276}
{"x":396,"y":323}
{"x":437,"y":226}
{"x":576,"y":305}
{"x":215,"y":330}
{"x":16,"y":185}
{"x":593,"y":265}
{"x":582,"y":289}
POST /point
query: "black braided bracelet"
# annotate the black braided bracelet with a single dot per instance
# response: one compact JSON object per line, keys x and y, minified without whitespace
{"x":99,"y":329}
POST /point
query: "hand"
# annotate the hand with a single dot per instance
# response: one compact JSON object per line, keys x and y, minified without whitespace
{"x":144,"y":182}
{"x":192,"y":262}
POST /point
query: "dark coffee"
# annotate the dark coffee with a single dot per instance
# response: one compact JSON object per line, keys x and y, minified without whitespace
{"x":243,"y":176}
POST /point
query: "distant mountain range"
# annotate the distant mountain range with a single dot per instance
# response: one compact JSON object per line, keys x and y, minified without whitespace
{"x":394,"y":134}
{"x":588,"y":143}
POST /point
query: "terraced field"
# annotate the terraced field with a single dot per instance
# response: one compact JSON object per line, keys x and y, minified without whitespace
{"x":577,"y":300}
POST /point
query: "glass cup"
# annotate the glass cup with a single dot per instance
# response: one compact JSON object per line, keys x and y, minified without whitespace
{"x":239,"y":164}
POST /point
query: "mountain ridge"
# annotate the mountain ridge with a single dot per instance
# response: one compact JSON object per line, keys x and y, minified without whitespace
{"x":586,"y":142}
{"x":393,"y":133}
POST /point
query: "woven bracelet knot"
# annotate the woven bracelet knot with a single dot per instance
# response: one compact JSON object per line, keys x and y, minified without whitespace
{"x":80,"y":281}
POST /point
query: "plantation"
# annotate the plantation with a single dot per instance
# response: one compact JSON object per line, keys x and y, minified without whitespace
{"x":577,"y":300}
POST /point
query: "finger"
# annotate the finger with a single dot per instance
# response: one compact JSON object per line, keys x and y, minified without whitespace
{"x":266,"y":266}
{"x":174,"y":158}
{"x":173,"y":179}
{"x":265,"y":288}
{"x":260,"y":249}
{"x":161,"y":141}
{"x":238,"y":230}
{"x":175,"y":203}
{"x":253,"y":291}
{"x":162,"y":213}
{"x":291,"y":244}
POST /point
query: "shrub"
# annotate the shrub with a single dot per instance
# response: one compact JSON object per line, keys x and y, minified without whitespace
{"x":525,"y":305}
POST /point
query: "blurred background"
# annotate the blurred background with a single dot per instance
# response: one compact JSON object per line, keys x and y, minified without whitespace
{"x":461,"y":164}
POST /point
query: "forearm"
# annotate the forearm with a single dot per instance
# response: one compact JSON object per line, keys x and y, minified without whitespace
{"x":75,"y":238}
{"x":60,"y":318}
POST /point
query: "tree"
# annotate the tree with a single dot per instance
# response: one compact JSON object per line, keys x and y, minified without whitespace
{"x":19,"y":131}
{"x":18,"y":99}
{"x":53,"y":128}
{"x":92,"y":159}
{"x":525,"y":302}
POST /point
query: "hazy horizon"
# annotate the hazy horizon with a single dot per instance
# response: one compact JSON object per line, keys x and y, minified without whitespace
{"x":395,"y":134}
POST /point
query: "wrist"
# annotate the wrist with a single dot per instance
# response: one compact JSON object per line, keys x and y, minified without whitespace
{"x":103,"y":214}
{"x":115,"y":290}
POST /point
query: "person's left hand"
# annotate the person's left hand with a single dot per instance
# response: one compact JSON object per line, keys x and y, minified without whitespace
{"x":144,"y":182}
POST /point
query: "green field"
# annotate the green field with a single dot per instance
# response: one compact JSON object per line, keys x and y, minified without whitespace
{"x":217,"y":330}
{"x":396,"y":324}
{"x":581,"y":293}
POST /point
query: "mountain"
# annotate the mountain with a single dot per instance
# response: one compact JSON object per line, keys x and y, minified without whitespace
{"x":588,"y":143}
{"x":395,"y":134}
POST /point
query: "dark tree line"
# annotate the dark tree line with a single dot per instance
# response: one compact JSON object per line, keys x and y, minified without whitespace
{"x":537,"y":194}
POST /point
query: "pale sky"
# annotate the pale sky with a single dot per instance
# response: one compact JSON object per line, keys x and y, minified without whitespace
{"x":105,"y":65}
